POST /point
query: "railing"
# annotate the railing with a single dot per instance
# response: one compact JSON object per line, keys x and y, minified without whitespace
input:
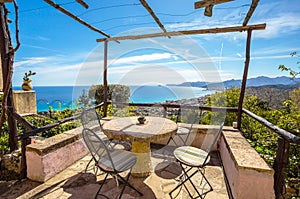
{"x":282,"y":154}
{"x":25,"y":137}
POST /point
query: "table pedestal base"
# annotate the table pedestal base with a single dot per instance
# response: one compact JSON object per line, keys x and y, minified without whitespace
{"x":143,"y":166}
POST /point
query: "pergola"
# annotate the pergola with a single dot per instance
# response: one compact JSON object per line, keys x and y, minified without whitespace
{"x":7,"y":51}
{"x":207,"y":5}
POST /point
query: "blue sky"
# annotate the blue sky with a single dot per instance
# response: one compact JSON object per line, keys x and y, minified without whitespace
{"x":64,"y":52}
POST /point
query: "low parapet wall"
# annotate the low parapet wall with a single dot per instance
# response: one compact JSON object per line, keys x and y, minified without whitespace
{"x":52,"y":155}
{"x":248,"y":174}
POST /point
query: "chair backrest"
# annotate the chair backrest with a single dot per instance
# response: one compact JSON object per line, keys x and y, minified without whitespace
{"x":96,"y":146}
{"x":216,"y":138}
{"x":90,"y":119}
{"x":191,"y":117}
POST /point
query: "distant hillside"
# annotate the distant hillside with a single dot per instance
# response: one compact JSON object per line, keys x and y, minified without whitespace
{"x":251,"y":82}
{"x":273,"y":95}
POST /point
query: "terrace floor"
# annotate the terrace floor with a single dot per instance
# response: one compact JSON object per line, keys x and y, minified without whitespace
{"x":74,"y":182}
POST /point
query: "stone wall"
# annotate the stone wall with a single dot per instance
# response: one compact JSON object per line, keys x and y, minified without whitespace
{"x":48,"y":157}
{"x":25,"y":101}
{"x":248,"y":174}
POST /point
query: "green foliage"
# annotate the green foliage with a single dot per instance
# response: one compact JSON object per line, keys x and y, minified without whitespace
{"x":27,"y":75}
{"x":228,"y":98}
{"x":116,"y":93}
{"x":293,"y":73}
{"x":4,"y":147}
{"x":263,"y":140}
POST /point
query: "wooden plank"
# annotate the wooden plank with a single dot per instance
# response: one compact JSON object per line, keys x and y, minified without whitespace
{"x":250,"y":12}
{"x":188,"y":32}
{"x":58,"y":7}
{"x":21,"y":119}
{"x":201,"y":4}
{"x":149,"y":9}
{"x":280,"y":165}
{"x":244,"y":81}
{"x":4,"y":1}
{"x":105,"y":87}
{"x":81,"y":2}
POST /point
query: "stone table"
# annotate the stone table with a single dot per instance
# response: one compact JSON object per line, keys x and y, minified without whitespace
{"x":140,"y":135}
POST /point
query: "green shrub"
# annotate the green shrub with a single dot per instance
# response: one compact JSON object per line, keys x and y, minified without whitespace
{"x":116,"y":93}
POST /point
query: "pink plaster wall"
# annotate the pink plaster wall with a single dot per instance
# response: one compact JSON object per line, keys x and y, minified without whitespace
{"x":246,"y":183}
{"x":41,"y":168}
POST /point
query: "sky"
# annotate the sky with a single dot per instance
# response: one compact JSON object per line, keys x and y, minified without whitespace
{"x":64,"y":52}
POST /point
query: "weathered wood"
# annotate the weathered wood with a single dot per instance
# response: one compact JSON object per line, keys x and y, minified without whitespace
{"x":58,"y":7}
{"x":105,"y":87}
{"x":188,"y":32}
{"x":7,"y":57}
{"x":81,"y":2}
{"x":4,"y":1}
{"x":250,"y":12}
{"x":285,"y":134}
{"x":50,"y":126}
{"x":23,"y":172}
{"x":27,"y":124}
{"x":201,"y":4}
{"x":280,"y":165}
{"x":149,"y":9}
{"x":243,"y":87}
{"x":193,"y":107}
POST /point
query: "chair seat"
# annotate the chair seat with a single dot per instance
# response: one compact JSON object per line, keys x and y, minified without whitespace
{"x":122,"y":160}
{"x":183,"y":130}
{"x":191,"y":156}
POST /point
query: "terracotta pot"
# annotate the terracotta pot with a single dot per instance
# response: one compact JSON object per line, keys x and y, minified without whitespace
{"x":27,"y":86}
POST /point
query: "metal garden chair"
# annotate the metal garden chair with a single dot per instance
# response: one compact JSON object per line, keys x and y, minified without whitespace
{"x":109,"y":160}
{"x":91,"y":119}
{"x":194,"y":158}
{"x":185,"y":135}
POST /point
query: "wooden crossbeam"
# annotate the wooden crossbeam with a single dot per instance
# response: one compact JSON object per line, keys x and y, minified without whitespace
{"x":206,"y":3}
{"x":149,"y":9}
{"x":58,"y":7}
{"x":81,"y":2}
{"x":250,"y":12}
{"x":188,"y":32}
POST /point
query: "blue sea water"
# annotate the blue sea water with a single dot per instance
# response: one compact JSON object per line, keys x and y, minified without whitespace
{"x":60,"y":97}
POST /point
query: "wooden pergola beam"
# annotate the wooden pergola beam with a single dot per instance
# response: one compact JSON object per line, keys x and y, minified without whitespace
{"x":58,"y":7}
{"x":202,"y":4}
{"x":151,"y":12}
{"x":188,"y":32}
{"x":244,"y":81}
{"x":81,"y":2}
{"x":250,"y":12}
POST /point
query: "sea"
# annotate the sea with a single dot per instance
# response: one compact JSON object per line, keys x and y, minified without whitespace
{"x":61,"y":97}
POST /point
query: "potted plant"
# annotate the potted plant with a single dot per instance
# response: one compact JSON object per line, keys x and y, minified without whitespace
{"x":27,"y":86}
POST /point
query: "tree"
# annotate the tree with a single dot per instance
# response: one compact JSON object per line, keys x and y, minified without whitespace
{"x":293,"y":73}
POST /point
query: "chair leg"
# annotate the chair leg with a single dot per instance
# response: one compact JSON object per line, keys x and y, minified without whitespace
{"x":188,"y":178}
{"x":128,"y":184}
{"x":211,"y":188}
{"x":101,"y":187}
{"x":87,"y":166}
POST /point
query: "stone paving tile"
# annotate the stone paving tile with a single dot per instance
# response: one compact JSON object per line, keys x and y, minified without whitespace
{"x":74,"y":183}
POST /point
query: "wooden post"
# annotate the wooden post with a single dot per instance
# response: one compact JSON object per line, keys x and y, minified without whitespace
{"x":105,"y":89}
{"x":7,"y":56}
{"x":243,"y":88}
{"x":280,"y":164}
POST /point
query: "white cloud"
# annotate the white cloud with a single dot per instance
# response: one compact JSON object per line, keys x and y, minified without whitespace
{"x":142,"y":58}
{"x":239,"y":55}
{"x":286,"y":24}
{"x":31,"y":61}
